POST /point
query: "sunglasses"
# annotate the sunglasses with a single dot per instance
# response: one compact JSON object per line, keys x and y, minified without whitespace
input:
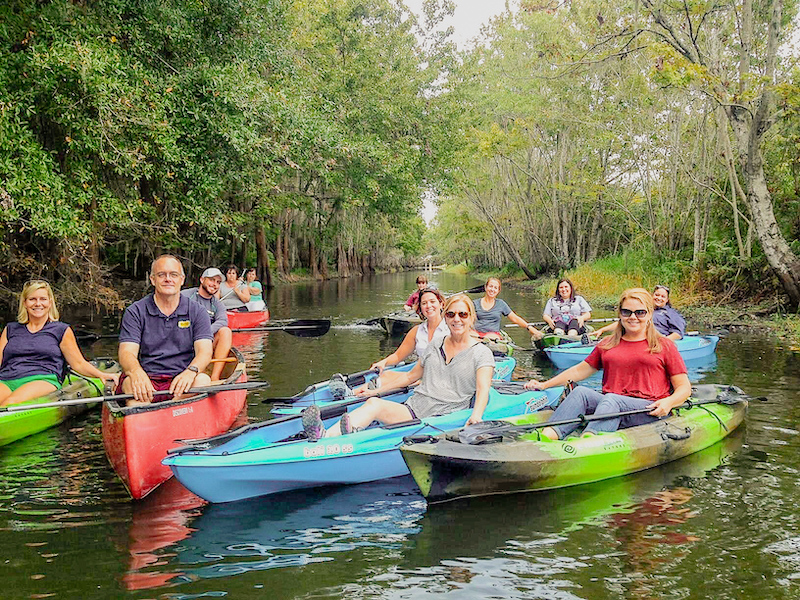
{"x":451,"y":314}
{"x":662,"y":287}
{"x":627,"y":312}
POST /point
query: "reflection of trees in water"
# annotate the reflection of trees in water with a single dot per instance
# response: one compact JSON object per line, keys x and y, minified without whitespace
{"x":643,"y":533}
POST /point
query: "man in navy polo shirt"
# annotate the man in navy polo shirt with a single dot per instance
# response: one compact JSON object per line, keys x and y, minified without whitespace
{"x":206,"y":296}
{"x":165,"y":338}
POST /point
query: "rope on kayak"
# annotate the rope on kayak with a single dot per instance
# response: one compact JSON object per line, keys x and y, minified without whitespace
{"x":715,"y":415}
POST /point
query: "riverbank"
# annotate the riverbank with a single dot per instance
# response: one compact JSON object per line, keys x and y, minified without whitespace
{"x":603,"y":281}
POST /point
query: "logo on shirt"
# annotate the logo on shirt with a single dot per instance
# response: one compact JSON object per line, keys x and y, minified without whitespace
{"x":184,"y":324}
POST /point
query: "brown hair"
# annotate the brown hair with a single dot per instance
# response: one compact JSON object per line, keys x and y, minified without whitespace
{"x":433,"y":291}
{"x":497,"y":279}
{"x":557,"y":296}
{"x":652,"y":335}
{"x":32,"y":286}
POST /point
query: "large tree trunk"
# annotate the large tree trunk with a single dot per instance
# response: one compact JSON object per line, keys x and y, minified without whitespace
{"x":262,"y":257}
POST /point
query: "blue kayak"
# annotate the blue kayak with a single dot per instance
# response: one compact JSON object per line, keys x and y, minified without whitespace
{"x":691,"y":347}
{"x":338,"y":386}
{"x":275,"y":456}
{"x":335,"y":395}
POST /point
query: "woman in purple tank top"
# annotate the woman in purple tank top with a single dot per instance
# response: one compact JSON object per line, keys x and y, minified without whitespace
{"x":35,"y":350}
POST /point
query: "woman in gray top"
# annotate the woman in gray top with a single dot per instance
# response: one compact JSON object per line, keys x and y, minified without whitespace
{"x":234,"y":292}
{"x":451,"y":371}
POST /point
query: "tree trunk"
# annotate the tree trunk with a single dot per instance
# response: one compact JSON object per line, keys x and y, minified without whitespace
{"x":262,"y":257}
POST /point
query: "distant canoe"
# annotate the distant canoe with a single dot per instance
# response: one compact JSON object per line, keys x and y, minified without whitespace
{"x":399,"y":323}
{"x":246,"y":320}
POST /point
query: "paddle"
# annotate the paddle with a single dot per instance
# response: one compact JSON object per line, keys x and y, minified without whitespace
{"x":351,"y":399}
{"x":296,"y":327}
{"x":730,"y":396}
{"x":473,"y":290}
{"x":541,"y":323}
{"x":211,"y":389}
{"x":352,"y":380}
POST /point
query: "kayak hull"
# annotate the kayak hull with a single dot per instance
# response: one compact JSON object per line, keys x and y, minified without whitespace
{"x":137,"y":438}
{"x":398,"y":324}
{"x":18,"y":425}
{"x":445,"y":469}
{"x":691,"y":348}
{"x":246,"y":320}
{"x":274,"y":456}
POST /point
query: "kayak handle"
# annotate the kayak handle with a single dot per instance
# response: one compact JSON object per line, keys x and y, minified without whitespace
{"x":681,"y":435}
{"x":420,"y":439}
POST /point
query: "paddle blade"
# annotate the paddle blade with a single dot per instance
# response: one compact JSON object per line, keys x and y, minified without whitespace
{"x":308,"y":327}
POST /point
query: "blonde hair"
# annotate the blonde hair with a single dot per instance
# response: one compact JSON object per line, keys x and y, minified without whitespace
{"x":467,"y":301}
{"x":35,"y":285}
{"x":652,"y":335}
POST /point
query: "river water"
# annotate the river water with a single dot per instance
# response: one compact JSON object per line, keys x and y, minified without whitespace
{"x":720,"y":524}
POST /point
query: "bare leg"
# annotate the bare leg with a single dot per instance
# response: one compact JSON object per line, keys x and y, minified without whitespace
{"x":29,"y":391}
{"x":222,"y":345}
{"x":374,"y":409}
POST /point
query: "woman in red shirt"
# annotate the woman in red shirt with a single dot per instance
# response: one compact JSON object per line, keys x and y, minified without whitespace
{"x":641,"y":369}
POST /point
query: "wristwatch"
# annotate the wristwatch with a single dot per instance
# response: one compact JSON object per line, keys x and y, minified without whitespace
{"x":193,"y":369}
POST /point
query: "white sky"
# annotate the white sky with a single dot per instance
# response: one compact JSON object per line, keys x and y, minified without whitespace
{"x":469,"y":17}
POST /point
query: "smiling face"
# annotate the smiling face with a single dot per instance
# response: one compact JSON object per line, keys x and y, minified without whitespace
{"x":564,"y":290}
{"x":660,"y":297}
{"x":635,"y":326}
{"x":461,"y":320}
{"x":429,"y":305}
{"x":210,"y":285}
{"x":492,"y":288}
{"x":37,"y":304}
{"x":167,"y":276}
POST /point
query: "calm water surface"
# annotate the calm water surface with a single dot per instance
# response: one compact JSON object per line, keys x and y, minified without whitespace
{"x":720,"y":524}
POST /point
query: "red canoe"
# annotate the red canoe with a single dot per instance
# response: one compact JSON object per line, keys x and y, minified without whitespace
{"x":245,"y":320}
{"x":137,"y":438}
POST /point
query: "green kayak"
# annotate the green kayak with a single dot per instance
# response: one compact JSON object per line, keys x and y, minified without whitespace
{"x":20,"y":424}
{"x":551,"y":339}
{"x":509,"y":457}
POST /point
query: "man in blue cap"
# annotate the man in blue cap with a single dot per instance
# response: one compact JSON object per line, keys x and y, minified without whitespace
{"x":207,"y":296}
{"x":165,"y":340}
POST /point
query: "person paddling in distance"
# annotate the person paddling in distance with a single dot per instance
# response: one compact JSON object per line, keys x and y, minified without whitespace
{"x":206,"y":296}
{"x":451,"y":371}
{"x":667,"y":321}
{"x":490,"y":309}
{"x":413,"y":300}
{"x":431,"y":331}
{"x":256,"y":303}
{"x":566,"y":312}
{"x":641,"y":370}
{"x":165,"y":340}
{"x":234,"y":292}
{"x":35,"y":350}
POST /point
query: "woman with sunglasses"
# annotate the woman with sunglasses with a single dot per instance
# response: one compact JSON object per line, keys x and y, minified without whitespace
{"x":432,"y":330}
{"x":35,"y":350}
{"x":667,"y":321}
{"x":641,"y":369}
{"x":451,"y":371}
{"x":490,"y":309}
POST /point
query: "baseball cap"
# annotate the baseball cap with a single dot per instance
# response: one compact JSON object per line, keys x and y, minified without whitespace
{"x":212,"y":272}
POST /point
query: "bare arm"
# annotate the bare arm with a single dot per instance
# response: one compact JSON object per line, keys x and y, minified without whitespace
{"x":577,"y":373}
{"x":76,"y":360}
{"x":401,"y":380}
{"x":598,"y":332}
{"x":141,"y":386}
{"x":584,"y":317}
{"x":3,"y":342}
{"x":484,"y":382}
{"x":515,"y":318}
{"x":403,"y":351}
{"x":682,"y":389}
{"x":243,"y":292}
{"x":202,"y":357}
{"x":675,"y":336}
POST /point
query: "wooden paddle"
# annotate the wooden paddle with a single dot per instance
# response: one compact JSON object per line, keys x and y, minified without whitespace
{"x":211,"y":389}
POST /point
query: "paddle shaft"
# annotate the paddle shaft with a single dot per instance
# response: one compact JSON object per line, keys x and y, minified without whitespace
{"x":541,"y":323}
{"x":297,"y":327}
{"x":211,"y":389}
{"x":627,"y":413}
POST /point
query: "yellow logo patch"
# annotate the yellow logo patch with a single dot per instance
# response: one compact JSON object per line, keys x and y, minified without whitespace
{"x":184,"y":324}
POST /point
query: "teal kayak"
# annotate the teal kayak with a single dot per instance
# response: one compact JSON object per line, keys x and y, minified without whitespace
{"x":512,"y":458}
{"x":20,"y":424}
